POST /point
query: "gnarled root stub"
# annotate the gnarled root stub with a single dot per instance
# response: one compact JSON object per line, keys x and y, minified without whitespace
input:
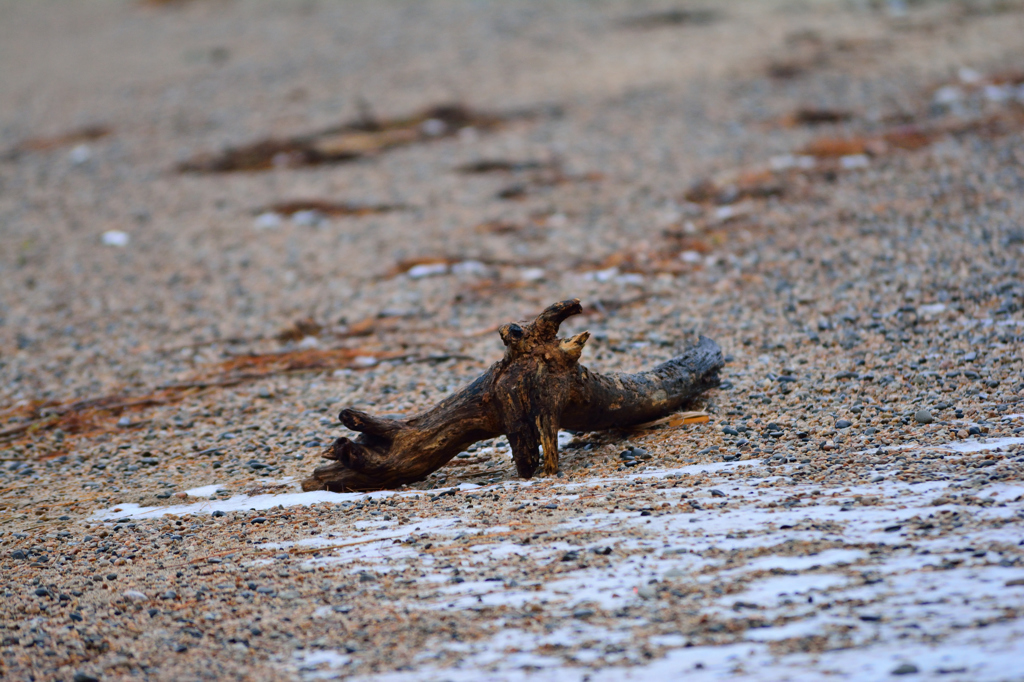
{"x":536,"y":389}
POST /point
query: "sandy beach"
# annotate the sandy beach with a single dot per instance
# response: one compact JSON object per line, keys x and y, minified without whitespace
{"x":223,"y":221}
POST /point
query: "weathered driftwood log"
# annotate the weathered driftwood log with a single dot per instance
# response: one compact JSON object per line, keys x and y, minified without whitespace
{"x":537,"y":388}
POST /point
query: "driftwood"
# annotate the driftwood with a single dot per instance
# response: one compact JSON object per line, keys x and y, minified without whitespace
{"x":537,"y":388}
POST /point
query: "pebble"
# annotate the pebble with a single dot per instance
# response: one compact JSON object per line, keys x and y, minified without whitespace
{"x":923,"y":417}
{"x":268,"y":221}
{"x":905,"y":669}
{"x":116,"y":238}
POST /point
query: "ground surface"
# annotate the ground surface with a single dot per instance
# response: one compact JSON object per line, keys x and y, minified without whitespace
{"x":834,"y":191}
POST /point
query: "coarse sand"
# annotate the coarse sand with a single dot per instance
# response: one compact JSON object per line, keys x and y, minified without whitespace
{"x":222,"y":221}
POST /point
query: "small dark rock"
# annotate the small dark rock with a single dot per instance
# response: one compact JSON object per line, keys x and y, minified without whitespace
{"x":905,"y":669}
{"x":844,"y":424}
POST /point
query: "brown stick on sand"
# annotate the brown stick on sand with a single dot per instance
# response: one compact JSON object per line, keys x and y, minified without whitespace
{"x":537,"y":388}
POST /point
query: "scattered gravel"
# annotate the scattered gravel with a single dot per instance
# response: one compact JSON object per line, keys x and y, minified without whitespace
{"x":833,"y":194}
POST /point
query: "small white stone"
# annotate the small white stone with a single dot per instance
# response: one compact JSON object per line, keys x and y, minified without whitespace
{"x":364,"y":361}
{"x":782,"y":162}
{"x":116,"y":238}
{"x":998,"y":93}
{"x":268,"y":221}
{"x":80,"y":154}
{"x":602,"y":275}
{"x":691,"y":257}
{"x":469,"y":267}
{"x":630,"y":278}
{"x":434,"y":127}
{"x":726,"y":213}
{"x":557,"y":220}
{"x":309,"y":218}
{"x":969,"y":76}
{"x":531,"y":274}
{"x":948,"y":94}
{"x":136,"y":596}
{"x":427,"y":270}
{"x":308,"y":343}
{"x":852,"y":161}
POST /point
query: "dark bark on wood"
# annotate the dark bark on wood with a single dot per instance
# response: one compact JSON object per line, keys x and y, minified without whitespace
{"x":537,"y":388}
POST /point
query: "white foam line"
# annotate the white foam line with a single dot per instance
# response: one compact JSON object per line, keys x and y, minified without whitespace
{"x":980,"y":446}
{"x":262,"y":502}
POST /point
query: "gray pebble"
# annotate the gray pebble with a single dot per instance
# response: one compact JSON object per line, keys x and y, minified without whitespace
{"x":923,"y":417}
{"x":905,"y":669}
